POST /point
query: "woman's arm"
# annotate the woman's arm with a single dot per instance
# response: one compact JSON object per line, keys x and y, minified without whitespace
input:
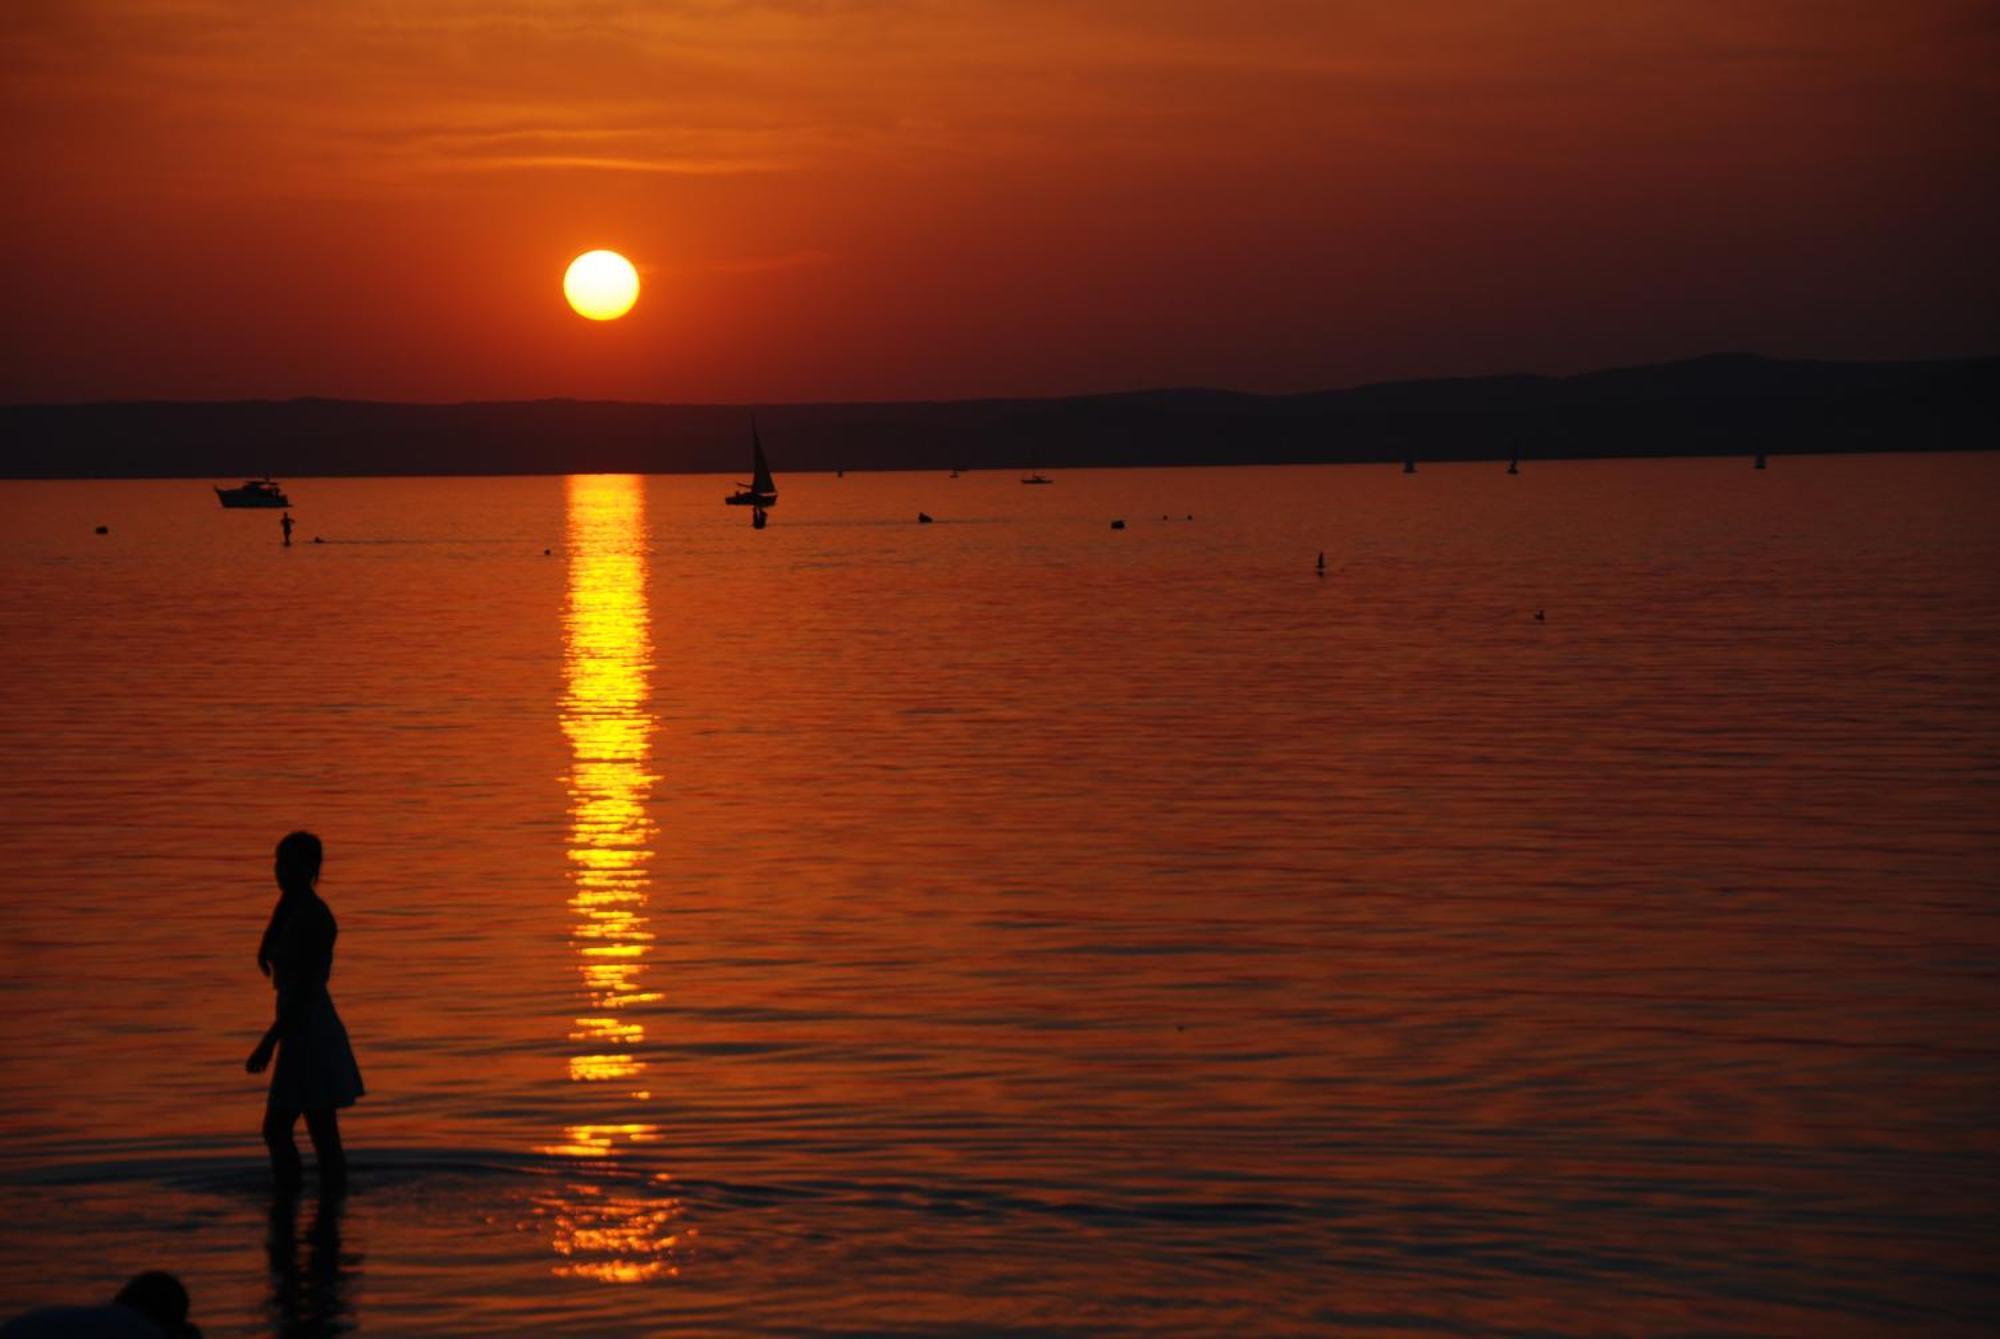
{"x":269,"y":943}
{"x":290,"y":1006}
{"x":296,"y":985}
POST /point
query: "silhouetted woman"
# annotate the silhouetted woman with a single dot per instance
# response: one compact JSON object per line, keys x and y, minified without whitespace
{"x":316,"y":1073}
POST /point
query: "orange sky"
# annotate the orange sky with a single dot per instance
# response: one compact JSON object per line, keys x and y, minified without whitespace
{"x":857,"y":199}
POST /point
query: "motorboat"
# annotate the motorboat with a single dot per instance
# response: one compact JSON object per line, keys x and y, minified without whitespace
{"x":262,"y":492}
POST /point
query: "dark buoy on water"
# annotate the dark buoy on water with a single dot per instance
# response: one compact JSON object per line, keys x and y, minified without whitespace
{"x":1540,"y":617}
{"x":547,"y":553}
{"x":1320,"y":566}
{"x":318,"y":540}
{"x":1409,"y":465}
{"x":1118,"y":525}
{"x":1760,"y":461}
{"x":103,"y":529}
{"x":923,"y":518}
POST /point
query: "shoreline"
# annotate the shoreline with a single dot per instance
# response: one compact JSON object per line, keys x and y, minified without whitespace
{"x":1720,"y":405}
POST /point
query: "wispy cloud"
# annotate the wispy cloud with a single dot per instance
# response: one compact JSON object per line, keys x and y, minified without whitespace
{"x":792,"y":260}
{"x":507,"y":145}
{"x":679,"y":167}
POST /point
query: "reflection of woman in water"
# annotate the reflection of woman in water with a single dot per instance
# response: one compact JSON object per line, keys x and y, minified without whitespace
{"x":310,"y":1297}
{"x":316,"y":1073}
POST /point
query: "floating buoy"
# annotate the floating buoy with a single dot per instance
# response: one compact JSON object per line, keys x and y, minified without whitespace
{"x":547,"y":553}
{"x":923,"y":518}
{"x":1321,"y":564}
{"x":1118,"y":525}
{"x":103,"y":529}
{"x":1540,"y":617}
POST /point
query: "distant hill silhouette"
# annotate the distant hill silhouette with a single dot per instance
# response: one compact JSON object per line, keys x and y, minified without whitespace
{"x":1716,"y":405}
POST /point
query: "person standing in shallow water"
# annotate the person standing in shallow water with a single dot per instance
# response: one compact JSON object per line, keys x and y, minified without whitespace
{"x":316,"y":1073}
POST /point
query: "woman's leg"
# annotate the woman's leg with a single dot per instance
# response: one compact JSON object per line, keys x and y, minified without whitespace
{"x":284,"y":1153}
{"x":324,"y":1127}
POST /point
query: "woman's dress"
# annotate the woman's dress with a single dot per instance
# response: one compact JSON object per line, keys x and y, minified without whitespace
{"x":315,"y":1069}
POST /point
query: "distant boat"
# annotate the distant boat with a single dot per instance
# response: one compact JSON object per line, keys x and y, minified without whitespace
{"x":1760,"y":460}
{"x":1036,"y":477}
{"x":1409,"y":466}
{"x":1514,"y":465}
{"x":262,"y":492}
{"x":956,"y":471}
{"x":760,"y":492}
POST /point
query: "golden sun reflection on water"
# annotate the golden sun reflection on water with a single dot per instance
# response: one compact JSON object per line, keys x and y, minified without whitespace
{"x":598,"y":1231}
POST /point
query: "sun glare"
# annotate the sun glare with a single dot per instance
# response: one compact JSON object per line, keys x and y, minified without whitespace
{"x":601,"y":285}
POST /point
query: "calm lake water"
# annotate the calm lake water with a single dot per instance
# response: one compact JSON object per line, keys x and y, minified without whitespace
{"x":1012,"y":926}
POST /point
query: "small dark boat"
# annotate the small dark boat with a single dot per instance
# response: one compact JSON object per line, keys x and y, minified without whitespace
{"x":1760,"y":461}
{"x":254,"y":493}
{"x":1035,"y":478}
{"x":760,"y":492}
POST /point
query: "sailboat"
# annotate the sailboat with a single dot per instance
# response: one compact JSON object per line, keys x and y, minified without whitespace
{"x":760,"y":492}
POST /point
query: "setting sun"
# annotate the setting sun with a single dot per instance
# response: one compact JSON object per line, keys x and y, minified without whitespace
{"x":601,"y":285}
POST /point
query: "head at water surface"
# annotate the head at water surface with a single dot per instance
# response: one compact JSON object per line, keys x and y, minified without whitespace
{"x":299,"y":854}
{"x":160,"y":1298}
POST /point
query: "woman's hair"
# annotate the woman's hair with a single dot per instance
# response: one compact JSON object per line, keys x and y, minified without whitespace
{"x":299,"y":855}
